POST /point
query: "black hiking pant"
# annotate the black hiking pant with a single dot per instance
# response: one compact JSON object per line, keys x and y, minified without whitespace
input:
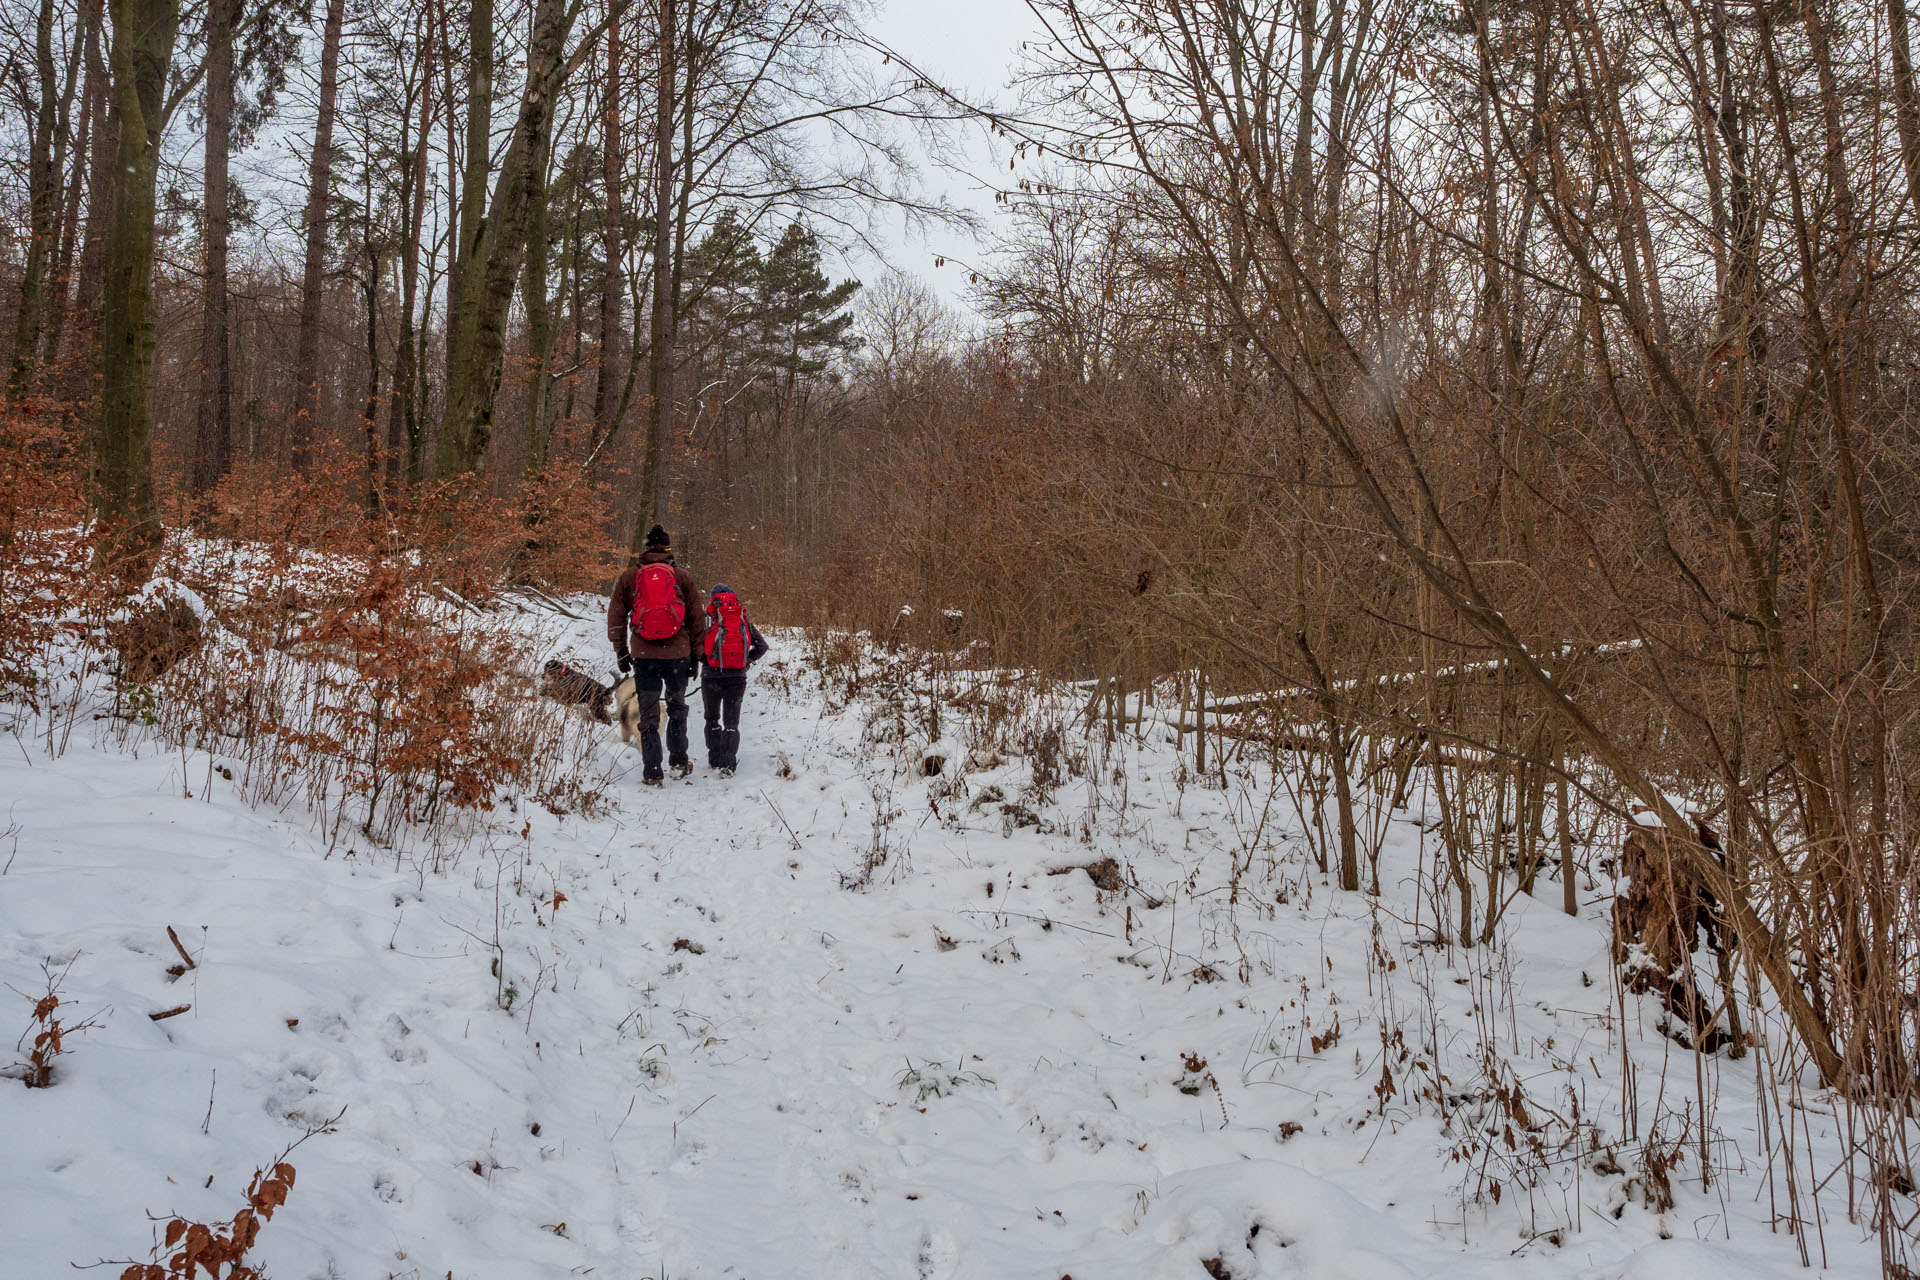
{"x":722,"y":692}
{"x":655,"y":679}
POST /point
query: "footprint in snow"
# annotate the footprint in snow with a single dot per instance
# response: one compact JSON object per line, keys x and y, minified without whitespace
{"x":332,"y":1025}
{"x":937,"y":1256}
{"x":394,"y":1036}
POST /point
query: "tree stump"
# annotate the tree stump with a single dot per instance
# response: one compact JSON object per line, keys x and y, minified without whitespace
{"x":154,"y":636}
{"x":1657,"y":921}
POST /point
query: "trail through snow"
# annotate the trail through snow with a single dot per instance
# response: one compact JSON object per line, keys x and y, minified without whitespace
{"x":718,"y":1061}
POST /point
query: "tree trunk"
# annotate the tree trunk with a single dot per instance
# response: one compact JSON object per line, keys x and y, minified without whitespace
{"x":612,"y":287}
{"x":660,"y":321}
{"x":539,"y":313}
{"x":477,"y":325}
{"x":1337,"y":757}
{"x":471,"y":212}
{"x":402,"y":423}
{"x":306,"y":360}
{"x":122,"y":473}
{"x":1906,"y":102}
{"x":43,"y":207}
{"x":213,"y":435}
{"x":92,"y":108}
{"x":100,"y":188}
{"x":370,"y":410}
{"x":1563,"y":825}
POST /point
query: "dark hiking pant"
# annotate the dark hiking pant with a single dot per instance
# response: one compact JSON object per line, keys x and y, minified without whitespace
{"x":653,"y":680}
{"x":722,"y":693}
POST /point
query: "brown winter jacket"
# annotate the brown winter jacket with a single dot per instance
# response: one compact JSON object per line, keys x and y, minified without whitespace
{"x":620,"y":612}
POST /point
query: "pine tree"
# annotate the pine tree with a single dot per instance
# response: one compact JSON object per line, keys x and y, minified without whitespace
{"x":722,"y":289}
{"x":803,"y":324}
{"x":804,"y":320}
{"x":722,"y":311}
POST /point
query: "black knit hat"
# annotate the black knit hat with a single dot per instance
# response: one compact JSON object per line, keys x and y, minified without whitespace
{"x":657,"y":539}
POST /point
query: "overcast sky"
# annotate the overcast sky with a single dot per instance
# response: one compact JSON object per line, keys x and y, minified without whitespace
{"x":971,"y":46}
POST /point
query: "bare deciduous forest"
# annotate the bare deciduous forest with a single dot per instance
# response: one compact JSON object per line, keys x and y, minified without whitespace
{"x":1518,"y":397}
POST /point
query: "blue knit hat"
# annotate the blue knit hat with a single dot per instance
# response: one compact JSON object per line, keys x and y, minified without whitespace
{"x":718,"y":587}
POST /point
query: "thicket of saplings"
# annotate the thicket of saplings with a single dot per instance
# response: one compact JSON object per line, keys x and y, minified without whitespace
{"x":1519,"y":1115}
{"x":371,"y":675}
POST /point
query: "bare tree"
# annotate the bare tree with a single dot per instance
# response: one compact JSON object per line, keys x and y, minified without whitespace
{"x":306,"y":362}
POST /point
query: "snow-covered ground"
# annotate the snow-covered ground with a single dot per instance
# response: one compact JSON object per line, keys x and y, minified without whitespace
{"x":729,"y":1051}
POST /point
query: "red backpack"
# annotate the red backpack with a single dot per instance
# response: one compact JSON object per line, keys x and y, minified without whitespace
{"x":658,"y":611}
{"x":727,"y":635}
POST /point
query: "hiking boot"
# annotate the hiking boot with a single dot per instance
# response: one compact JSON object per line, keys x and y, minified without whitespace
{"x":653,"y":779}
{"x":682,"y":769}
{"x":726,"y":771}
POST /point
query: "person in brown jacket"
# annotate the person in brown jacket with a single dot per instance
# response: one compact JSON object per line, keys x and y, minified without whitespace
{"x":655,"y":622}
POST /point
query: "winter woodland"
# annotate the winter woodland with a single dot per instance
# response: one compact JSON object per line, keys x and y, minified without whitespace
{"x":1343,"y":694}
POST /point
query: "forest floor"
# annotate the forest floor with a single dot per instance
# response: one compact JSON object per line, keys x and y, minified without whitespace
{"x":838,"y":1016}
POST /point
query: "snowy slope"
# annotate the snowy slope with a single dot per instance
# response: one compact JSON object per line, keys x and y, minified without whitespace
{"x":721,"y":1060}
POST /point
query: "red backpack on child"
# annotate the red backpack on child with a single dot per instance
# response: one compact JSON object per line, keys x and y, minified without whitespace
{"x":658,"y":611}
{"x":727,"y":635}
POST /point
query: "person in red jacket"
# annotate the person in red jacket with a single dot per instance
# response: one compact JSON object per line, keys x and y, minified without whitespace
{"x":655,"y":622}
{"x":732,"y":644}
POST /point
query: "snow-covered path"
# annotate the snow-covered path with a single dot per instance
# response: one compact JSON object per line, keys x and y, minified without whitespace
{"x":719,"y":1061}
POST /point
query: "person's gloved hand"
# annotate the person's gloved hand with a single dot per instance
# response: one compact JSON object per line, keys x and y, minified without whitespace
{"x":624,"y":662}
{"x":693,"y":667}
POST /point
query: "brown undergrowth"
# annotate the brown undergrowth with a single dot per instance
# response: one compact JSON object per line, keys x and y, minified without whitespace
{"x":361,"y":667}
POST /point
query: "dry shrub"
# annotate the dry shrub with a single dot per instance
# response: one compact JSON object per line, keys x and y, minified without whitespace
{"x":360,"y":686}
{"x":47,"y":1030}
{"x":340,"y":657}
{"x":187,"y":1248}
{"x":198,"y":1246}
{"x":399,"y":713}
{"x":552,"y":532}
{"x":847,"y":585}
{"x":44,"y":561}
{"x":565,"y":542}
{"x":40,"y":470}
{"x":261,"y":502}
{"x":154,"y":634}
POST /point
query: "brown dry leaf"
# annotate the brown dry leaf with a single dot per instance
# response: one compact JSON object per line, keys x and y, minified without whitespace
{"x":272,"y":1194}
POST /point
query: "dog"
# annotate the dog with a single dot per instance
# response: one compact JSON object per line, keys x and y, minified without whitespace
{"x":578,"y":691}
{"x":629,"y":703}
